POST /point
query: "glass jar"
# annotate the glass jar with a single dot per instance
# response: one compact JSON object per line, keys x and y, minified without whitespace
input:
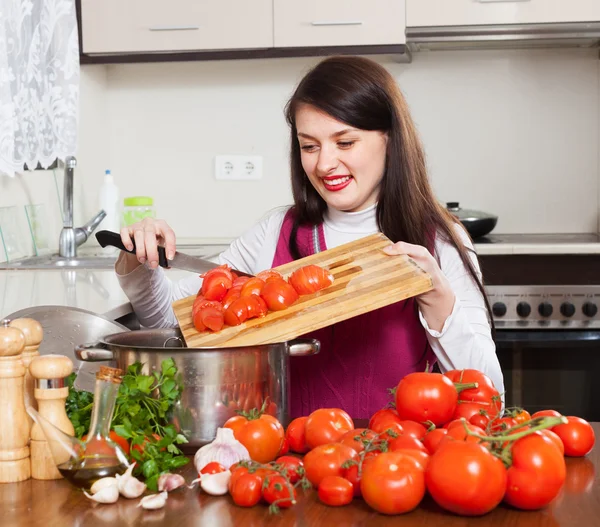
{"x":136,"y":208}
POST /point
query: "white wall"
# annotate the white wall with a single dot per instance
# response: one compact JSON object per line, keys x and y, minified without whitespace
{"x":510,"y":132}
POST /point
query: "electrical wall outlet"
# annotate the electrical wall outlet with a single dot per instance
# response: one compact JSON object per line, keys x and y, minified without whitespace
{"x":235,"y":167}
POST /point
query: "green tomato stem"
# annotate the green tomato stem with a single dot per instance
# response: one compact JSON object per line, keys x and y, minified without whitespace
{"x":541,"y":423}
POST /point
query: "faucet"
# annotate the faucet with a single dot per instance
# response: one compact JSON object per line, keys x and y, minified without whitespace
{"x":71,"y":238}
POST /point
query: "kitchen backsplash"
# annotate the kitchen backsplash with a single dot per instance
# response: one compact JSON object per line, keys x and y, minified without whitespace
{"x":515,"y":133}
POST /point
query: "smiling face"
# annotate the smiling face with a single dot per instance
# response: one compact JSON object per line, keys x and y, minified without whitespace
{"x":344,"y":164}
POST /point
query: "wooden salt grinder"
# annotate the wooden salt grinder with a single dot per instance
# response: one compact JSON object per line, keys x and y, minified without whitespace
{"x":51,"y":391}
{"x":34,"y":333}
{"x":14,"y":423}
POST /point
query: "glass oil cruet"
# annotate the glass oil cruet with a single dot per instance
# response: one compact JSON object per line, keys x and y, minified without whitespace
{"x":84,"y":462}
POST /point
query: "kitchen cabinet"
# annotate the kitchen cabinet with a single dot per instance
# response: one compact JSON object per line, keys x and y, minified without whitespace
{"x":144,"y":26}
{"x":430,"y":13}
{"x":315,"y":23}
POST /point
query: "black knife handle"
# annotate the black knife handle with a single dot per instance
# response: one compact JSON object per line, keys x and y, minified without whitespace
{"x":106,"y":238}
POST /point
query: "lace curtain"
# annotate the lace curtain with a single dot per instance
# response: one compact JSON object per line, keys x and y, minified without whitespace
{"x":39,"y":83}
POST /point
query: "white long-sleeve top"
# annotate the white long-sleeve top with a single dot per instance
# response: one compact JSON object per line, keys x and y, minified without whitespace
{"x":465,"y":340}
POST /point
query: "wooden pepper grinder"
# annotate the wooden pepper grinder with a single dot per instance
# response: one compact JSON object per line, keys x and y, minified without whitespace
{"x":34,"y":333}
{"x":14,"y":424}
{"x":51,"y":391}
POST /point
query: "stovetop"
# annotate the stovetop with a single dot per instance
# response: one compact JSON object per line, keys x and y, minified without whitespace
{"x":538,"y":239}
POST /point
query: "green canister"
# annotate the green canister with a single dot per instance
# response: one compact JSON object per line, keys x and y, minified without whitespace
{"x":136,"y":208}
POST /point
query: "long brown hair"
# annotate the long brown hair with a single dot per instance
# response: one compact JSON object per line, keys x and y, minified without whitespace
{"x":363,"y":94}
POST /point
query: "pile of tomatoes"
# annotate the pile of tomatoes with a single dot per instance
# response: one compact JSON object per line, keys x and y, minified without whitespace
{"x":228,"y":299}
{"x":447,"y":436}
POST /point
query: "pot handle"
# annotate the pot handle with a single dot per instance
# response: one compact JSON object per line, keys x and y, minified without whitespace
{"x":303,"y":347}
{"x":93,"y":352}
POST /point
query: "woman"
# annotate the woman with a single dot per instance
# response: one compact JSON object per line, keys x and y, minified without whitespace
{"x":357,"y":167}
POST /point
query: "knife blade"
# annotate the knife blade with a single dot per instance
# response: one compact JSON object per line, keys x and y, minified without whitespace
{"x":180,"y":260}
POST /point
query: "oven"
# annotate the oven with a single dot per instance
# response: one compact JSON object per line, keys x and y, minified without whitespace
{"x":546,"y":313}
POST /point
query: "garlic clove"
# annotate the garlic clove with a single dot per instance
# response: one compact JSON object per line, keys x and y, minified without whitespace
{"x":108,"y":494}
{"x":170,"y":482}
{"x":128,"y":485}
{"x":154,"y":501}
{"x":215,"y":484}
{"x":102,"y":483}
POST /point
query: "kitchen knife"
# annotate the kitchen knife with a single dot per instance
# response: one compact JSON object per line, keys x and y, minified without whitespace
{"x":180,"y":260}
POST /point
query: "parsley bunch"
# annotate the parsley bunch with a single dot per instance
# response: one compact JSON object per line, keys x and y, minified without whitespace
{"x":141,"y":416}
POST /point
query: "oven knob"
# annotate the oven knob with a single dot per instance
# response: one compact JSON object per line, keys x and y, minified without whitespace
{"x":590,"y":309}
{"x":523,"y":309}
{"x":499,"y":309}
{"x":567,"y":309}
{"x":545,"y":309}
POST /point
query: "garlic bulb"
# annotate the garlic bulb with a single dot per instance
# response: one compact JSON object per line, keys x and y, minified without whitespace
{"x":154,"y":501}
{"x":108,"y":494}
{"x":102,"y":483}
{"x":225,"y":449}
{"x":128,"y":485}
{"x":170,"y":482}
{"x":215,"y":484}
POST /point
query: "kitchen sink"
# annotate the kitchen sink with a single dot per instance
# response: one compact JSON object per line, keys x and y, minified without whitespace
{"x":54,"y":261}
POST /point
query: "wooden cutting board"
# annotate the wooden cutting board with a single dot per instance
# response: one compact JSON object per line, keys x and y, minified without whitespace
{"x":365,"y":279}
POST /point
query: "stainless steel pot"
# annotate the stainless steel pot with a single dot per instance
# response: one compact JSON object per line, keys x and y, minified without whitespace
{"x":216,"y":381}
{"x":476,"y":222}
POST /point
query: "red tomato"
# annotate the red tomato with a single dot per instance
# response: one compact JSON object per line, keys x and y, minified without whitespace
{"x":285,"y":447}
{"x":278,"y":294}
{"x":237,"y":312}
{"x":465,"y":478}
{"x":246,"y":489}
{"x":269,"y":274}
{"x":200,"y":302}
{"x":555,"y":439}
{"x":433,"y":438}
{"x":485,"y":392}
{"x":257,"y":307}
{"x":426,"y":397}
{"x":406,"y":442}
{"x":262,"y":437}
{"x":537,"y":473}
{"x":295,"y":435}
{"x":310,"y":279}
{"x":386,"y":419}
{"x":253,"y":286}
{"x":546,"y":413}
{"x":481,"y":420}
{"x":478,"y":411}
{"x":457,"y":432}
{"x":414,"y":429}
{"x":99,"y":447}
{"x":335,"y":491}
{"x":209,"y":318}
{"x":351,"y":473}
{"x":394,"y":483}
{"x":293,"y":467}
{"x":577,"y":436}
{"x":502,"y":424}
{"x":363,"y":434}
{"x":230,"y":296}
{"x":279,"y":490}
{"x":418,"y":455}
{"x":240,"y":281}
{"x":326,"y":425}
{"x":212,"y":468}
{"x":327,"y":460}
{"x":219,"y":277}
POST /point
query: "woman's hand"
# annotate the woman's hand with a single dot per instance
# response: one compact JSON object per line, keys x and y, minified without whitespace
{"x":437,"y":304}
{"x":147,"y":235}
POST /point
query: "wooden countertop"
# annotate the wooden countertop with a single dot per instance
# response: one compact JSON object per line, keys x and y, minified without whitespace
{"x":58,"y":504}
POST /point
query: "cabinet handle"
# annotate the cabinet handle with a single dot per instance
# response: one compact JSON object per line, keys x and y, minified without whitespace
{"x":336,"y":23}
{"x":173,"y":28}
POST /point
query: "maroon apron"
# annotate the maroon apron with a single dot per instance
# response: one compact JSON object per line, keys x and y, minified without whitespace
{"x":360,"y":357}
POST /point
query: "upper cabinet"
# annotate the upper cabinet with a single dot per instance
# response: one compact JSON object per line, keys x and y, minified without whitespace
{"x":338,"y":23}
{"x":431,"y":13}
{"x":144,"y":26}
